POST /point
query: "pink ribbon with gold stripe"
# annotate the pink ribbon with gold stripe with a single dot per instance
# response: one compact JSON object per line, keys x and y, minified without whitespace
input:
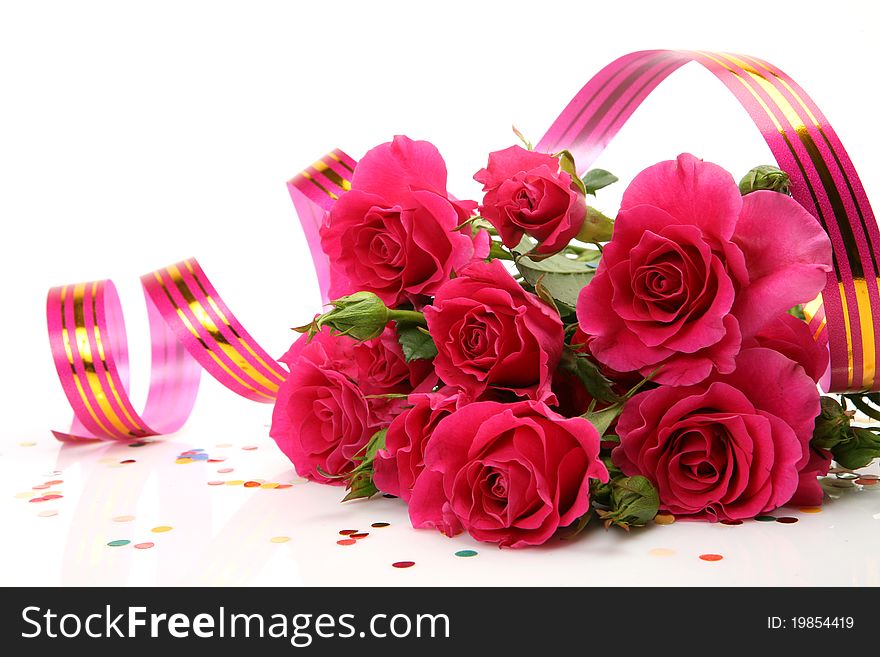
{"x":193,"y":329}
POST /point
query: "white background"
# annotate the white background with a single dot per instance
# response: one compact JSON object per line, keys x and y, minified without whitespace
{"x":133,"y":135}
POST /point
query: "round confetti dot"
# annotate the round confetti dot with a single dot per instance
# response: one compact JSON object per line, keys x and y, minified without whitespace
{"x":24,"y":495}
{"x":810,"y":509}
{"x":466,"y":553}
{"x":161,"y":529}
{"x":346,"y":541}
{"x":347,"y":532}
{"x":867,"y":482}
{"x":54,"y":482}
{"x":48,"y":514}
{"x":359,"y":535}
{"x":389,"y":496}
{"x":225,"y":470}
{"x":765,"y":518}
{"x":38,"y":499}
{"x":870,"y":476}
{"x":283,"y":486}
{"x":249,"y":448}
{"x":664,"y":519}
{"x":127,"y":461}
{"x":199,"y":457}
{"x":123,"y":518}
{"x":711,"y":557}
{"x":52,"y":496}
{"x":144,"y":546}
{"x":235,"y":482}
{"x":379,"y":525}
{"x":661,"y":552}
{"x":252,"y":484}
{"x":216,"y":460}
{"x":404,"y":564}
{"x":139,"y":443}
{"x":269,"y":484}
{"x":118,"y":543}
{"x":216,"y":482}
{"x":279,"y":539}
{"x":40,"y":487}
{"x":787,"y":520}
{"x":183,"y":460}
{"x":731,"y":522}
{"x":223,"y":445}
{"x":27,"y":443}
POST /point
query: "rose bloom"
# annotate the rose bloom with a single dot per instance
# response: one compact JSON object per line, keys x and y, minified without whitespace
{"x":694,"y":268}
{"x":527,"y":193}
{"x":322,"y":417}
{"x":398,"y":466}
{"x":510,"y":474}
{"x":382,"y":370}
{"x":729,"y":448}
{"x":393,"y":233}
{"x":492,"y":335}
{"x":792,"y":338}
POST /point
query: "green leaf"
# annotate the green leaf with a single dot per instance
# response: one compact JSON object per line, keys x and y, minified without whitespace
{"x":416,"y":344}
{"x":497,"y":250}
{"x":588,"y":373}
{"x":859,"y":451}
{"x":634,"y":502}
{"x":596,"y":179}
{"x":566,"y":163}
{"x":604,"y":418}
{"x":562,"y":277}
{"x":361,"y":486}
{"x":596,"y":228}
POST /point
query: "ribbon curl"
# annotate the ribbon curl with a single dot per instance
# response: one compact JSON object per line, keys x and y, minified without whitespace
{"x":192,"y":328}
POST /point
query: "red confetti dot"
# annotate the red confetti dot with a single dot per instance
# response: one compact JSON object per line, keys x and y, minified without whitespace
{"x":787,"y":520}
{"x":216,"y":482}
{"x":219,"y":460}
{"x":378,"y":525}
{"x":711,"y":557}
{"x":251,"y":484}
{"x":404,"y":564}
{"x":347,"y":532}
{"x":225,"y":470}
{"x":731,"y":522}
{"x":249,"y":448}
{"x":280,"y":486}
{"x":360,"y":535}
{"x":37,"y":499}
{"x":40,"y":487}
{"x":346,"y":541}
{"x":54,"y":482}
{"x":128,"y":461}
{"x":144,"y":546}
{"x":52,"y":496}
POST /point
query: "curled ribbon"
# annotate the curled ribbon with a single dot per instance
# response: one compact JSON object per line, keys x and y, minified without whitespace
{"x":192,"y":328}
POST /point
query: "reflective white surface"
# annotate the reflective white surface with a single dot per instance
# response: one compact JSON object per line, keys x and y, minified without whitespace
{"x":221,"y":535}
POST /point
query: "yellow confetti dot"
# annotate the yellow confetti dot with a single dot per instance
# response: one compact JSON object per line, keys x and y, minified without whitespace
{"x":24,"y":495}
{"x":279,"y":539}
{"x":269,"y":484}
{"x":235,"y":482}
{"x":664,"y":519}
{"x":661,"y":552}
{"x":123,"y":518}
{"x":161,"y":529}
{"x":184,"y":460}
{"x":52,"y":492}
{"x":810,"y":509}
{"x":27,"y":443}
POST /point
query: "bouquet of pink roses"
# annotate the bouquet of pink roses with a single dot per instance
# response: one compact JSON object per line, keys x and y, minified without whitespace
{"x":526,"y":364}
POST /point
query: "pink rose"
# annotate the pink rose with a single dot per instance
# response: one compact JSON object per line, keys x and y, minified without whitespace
{"x":730,"y":448}
{"x":510,"y":474}
{"x":526,"y":193}
{"x":382,"y":370}
{"x":792,"y":338}
{"x":321,"y":419}
{"x":693,"y":268}
{"x":809,"y":491}
{"x":398,"y":466}
{"x":492,"y":335}
{"x":393,"y":233}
